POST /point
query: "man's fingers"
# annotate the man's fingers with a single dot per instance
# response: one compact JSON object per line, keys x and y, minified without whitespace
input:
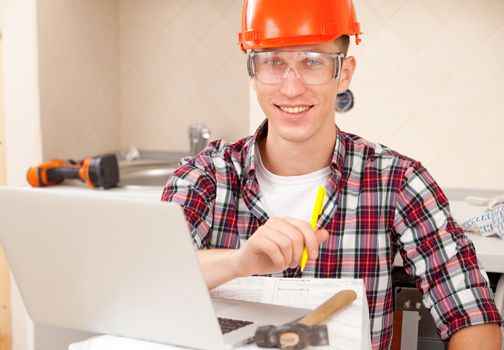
{"x":322,"y":235}
{"x":273,"y":252}
{"x":296,"y":237}
{"x":310,"y":239}
{"x":297,"y":245}
{"x":285,"y":246}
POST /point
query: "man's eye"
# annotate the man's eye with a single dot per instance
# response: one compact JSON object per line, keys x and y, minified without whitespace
{"x":273,"y":62}
{"x":313,"y":63}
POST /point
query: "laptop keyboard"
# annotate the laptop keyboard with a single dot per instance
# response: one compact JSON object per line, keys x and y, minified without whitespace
{"x":228,"y":324}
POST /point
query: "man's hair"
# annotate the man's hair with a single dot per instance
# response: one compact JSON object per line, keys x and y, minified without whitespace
{"x":343,"y":42}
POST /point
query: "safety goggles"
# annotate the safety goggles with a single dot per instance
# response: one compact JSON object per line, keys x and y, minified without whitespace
{"x":312,"y":68}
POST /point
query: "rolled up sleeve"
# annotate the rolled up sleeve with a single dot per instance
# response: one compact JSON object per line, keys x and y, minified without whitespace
{"x":192,"y":187}
{"x":435,"y":250}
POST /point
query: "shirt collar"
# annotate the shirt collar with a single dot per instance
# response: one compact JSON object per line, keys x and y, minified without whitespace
{"x":338,"y":159}
{"x":337,"y":162}
{"x":260,"y":134}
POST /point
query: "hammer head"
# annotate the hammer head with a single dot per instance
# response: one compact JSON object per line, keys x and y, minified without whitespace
{"x":291,"y":336}
{"x":104,"y":171}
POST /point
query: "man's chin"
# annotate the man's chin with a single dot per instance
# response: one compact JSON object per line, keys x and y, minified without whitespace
{"x":294,"y":134}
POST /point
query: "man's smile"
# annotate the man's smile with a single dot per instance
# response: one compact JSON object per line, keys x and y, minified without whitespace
{"x":294,"y":109}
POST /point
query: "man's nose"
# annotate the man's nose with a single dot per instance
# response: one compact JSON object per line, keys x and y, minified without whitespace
{"x":292,"y":86}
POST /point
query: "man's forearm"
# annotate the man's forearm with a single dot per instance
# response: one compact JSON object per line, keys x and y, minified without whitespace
{"x":485,"y":336}
{"x":217,"y":266}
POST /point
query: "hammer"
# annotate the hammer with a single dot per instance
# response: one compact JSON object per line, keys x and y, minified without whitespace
{"x":306,"y":331}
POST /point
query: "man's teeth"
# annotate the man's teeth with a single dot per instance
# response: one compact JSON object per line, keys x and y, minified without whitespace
{"x":298,"y":109}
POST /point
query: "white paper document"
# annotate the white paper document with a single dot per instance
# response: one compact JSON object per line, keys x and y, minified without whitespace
{"x":349,"y":329}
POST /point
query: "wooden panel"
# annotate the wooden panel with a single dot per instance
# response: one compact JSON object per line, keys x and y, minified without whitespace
{"x":2,"y":133}
{"x":5,"y":308}
{"x":397,"y":331}
{"x":2,"y":160}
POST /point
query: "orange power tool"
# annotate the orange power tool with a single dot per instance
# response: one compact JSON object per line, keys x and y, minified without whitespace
{"x":101,"y":171}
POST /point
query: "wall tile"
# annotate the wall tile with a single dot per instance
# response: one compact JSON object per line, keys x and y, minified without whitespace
{"x":443,"y":52}
{"x":414,"y":23}
{"x":413,"y":92}
{"x":220,"y":39}
{"x":189,"y":73}
{"x":443,"y":9}
{"x":475,"y":21}
{"x":369,"y":16}
{"x":199,"y":15}
{"x":384,"y":8}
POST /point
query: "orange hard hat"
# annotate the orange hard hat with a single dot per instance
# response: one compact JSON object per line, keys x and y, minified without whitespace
{"x":275,"y":23}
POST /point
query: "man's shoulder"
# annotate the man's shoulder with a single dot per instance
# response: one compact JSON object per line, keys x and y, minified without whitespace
{"x":375,"y":153}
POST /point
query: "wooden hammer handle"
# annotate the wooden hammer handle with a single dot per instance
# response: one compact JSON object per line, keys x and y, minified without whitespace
{"x":331,"y":306}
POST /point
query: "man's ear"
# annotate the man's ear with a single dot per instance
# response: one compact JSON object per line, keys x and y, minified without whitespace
{"x":347,"y":70}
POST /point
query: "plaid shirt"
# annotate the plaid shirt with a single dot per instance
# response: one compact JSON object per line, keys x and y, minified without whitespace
{"x":378,"y":203}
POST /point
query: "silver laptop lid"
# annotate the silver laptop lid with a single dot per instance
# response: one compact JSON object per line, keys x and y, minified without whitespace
{"x":107,"y":264}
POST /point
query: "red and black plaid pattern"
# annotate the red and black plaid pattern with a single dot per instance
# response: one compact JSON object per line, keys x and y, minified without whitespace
{"x":378,"y":203}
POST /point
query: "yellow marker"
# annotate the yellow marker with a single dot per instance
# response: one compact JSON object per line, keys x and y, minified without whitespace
{"x":317,"y":210}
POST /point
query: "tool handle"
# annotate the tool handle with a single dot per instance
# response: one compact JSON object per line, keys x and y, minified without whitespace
{"x":63,"y":172}
{"x":330,"y":307}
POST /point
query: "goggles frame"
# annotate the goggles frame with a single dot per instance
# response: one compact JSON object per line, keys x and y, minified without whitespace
{"x":338,"y":58}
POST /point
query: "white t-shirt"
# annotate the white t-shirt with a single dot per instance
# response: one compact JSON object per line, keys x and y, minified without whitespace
{"x":289,"y":196}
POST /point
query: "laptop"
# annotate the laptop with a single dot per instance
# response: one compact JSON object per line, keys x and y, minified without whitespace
{"x":116,"y":265}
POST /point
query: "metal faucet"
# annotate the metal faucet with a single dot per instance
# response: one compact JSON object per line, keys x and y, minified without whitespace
{"x":199,"y":135}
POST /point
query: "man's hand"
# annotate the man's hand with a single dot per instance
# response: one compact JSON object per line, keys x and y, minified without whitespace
{"x":278,"y":245}
{"x":274,"y":247}
{"x":485,"y":336}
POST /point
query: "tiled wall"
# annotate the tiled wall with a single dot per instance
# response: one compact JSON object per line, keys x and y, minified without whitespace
{"x":180,"y":64}
{"x":430,"y":84}
{"x":79,"y":77}
{"x":429,"y":80}
{"x":117,"y":73}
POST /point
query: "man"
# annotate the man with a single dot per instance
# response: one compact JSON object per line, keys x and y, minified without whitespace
{"x":248,"y":203}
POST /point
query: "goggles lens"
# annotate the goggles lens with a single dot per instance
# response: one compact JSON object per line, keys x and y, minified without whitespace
{"x":313,"y":68}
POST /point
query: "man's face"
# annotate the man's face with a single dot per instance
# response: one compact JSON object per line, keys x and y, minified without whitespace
{"x":298,"y":112}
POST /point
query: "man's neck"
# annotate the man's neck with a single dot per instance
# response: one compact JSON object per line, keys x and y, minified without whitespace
{"x":285,"y":158}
